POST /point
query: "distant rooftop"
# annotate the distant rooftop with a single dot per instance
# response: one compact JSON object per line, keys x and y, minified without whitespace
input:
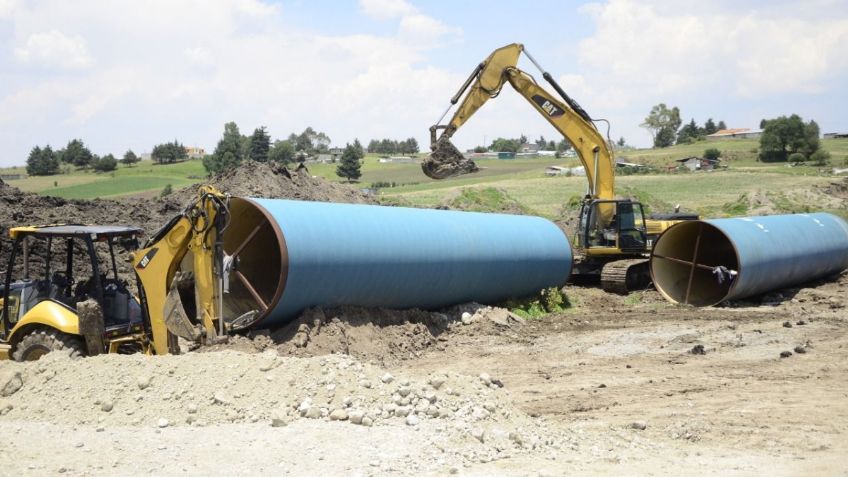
{"x":734,"y":132}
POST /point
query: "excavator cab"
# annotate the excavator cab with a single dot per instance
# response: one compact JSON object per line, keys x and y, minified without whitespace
{"x":612,"y":226}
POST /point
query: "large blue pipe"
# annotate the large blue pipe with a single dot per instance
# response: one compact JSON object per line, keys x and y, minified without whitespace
{"x":757,"y":255}
{"x":294,"y":254}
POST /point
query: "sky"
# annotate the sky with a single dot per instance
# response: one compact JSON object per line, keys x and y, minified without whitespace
{"x":128,"y":74}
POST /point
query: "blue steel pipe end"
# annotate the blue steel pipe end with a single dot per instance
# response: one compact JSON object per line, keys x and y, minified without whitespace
{"x":706,"y":262}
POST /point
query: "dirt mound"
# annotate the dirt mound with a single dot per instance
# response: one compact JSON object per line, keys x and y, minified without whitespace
{"x":252,"y":179}
{"x":275,"y":181}
{"x":376,"y":335}
{"x":837,"y":189}
{"x":475,"y":413}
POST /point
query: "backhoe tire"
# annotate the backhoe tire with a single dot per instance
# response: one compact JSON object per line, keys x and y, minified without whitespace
{"x":42,"y":341}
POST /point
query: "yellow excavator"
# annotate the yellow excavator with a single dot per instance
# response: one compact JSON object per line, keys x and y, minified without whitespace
{"x":83,"y":306}
{"x":613,"y":237}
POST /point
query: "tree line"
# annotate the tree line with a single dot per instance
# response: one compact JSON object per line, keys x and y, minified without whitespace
{"x":785,"y":138}
{"x":234,"y":147}
{"x":390,"y":146}
{"x":44,"y":161}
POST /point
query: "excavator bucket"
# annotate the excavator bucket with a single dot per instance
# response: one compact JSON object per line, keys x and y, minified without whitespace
{"x":446,"y":160}
{"x":176,"y":319}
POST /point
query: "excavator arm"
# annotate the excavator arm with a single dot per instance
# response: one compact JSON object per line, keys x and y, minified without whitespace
{"x":486,"y":82}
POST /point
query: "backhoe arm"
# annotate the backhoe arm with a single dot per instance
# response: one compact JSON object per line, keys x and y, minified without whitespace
{"x":486,"y":82}
{"x":197,"y":233}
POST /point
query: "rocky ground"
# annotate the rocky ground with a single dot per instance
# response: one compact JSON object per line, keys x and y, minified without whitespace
{"x":615,"y":385}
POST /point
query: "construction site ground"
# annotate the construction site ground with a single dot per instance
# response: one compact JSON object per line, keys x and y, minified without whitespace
{"x":614,"y":385}
{"x":610,"y":387}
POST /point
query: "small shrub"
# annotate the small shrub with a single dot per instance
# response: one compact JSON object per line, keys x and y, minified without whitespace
{"x":820,"y":158}
{"x":712,"y":153}
{"x":797,"y":157}
{"x":167,"y":190}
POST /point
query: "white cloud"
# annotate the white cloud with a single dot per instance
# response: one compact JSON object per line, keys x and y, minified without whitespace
{"x":186,"y":73}
{"x":54,"y":49}
{"x":7,"y":7}
{"x":387,"y":9}
{"x":415,"y":28}
{"x":664,"y":51}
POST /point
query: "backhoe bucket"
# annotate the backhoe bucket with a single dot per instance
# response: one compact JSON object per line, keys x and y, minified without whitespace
{"x":176,"y":319}
{"x":446,"y":160}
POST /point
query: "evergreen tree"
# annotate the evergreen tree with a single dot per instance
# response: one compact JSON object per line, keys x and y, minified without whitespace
{"x":77,"y":154}
{"x":349,"y":164}
{"x":360,"y":153}
{"x":42,"y":162}
{"x":169,"y":153}
{"x":105,"y":164}
{"x":689,"y":132}
{"x":710,"y":127}
{"x":227,"y":153}
{"x":129,"y":158}
{"x":260,"y":144}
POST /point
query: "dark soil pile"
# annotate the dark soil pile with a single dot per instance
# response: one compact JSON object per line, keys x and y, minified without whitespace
{"x":251,"y":179}
{"x":274,"y":181}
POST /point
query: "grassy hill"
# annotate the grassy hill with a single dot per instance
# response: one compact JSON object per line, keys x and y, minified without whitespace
{"x":523,"y":180}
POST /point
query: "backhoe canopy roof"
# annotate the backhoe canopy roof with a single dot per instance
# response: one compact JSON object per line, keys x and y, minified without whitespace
{"x":96,"y":232}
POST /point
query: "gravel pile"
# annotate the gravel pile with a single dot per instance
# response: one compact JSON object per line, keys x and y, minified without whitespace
{"x":470,"y":415}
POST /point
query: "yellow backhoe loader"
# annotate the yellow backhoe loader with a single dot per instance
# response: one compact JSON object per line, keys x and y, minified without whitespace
{"x":613,"y":237}
{"x":84,"y":308}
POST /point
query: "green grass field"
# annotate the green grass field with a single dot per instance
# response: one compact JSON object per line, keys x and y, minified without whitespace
{"x":521,"y":180}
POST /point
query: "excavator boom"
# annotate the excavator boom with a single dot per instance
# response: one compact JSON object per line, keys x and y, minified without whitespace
{"x":486,"y":82}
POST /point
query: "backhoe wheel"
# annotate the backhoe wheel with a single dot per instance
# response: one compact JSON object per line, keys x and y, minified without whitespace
{"x":40,"y":342}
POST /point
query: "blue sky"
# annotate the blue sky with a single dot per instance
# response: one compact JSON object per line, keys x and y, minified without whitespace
{"x":127,"y":75}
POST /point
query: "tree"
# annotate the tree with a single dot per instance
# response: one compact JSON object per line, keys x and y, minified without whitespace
{"x":360,"y":152}
{"x":663,"y":124}
{"x":349,"y":164}
{"x":710,"y":127}
{"x":42,"y":162}
{"x":129,"y":158}
{"x":105,"y":164}
{"x":227,"y":153}
{"x":689,"y":133}
{"x":169,"y":153}
{"x":260,"y":145}
{"x":785,"y":135}
{"x":77,"y":154}
{"x":621,"y":142}
{"x":722,"y":126}
{"x":541,"y":143}
{"x":505,"y":145}
{"x":664,"y":138}
{"x":480,"y":149}
{"x":563,"y":146}
{"x":412,"y":146}
{"x":712,"y":153}
{"x":282,"y":152}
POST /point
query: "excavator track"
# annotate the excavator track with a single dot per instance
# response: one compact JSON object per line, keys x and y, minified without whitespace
{"x":624,"y":276}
